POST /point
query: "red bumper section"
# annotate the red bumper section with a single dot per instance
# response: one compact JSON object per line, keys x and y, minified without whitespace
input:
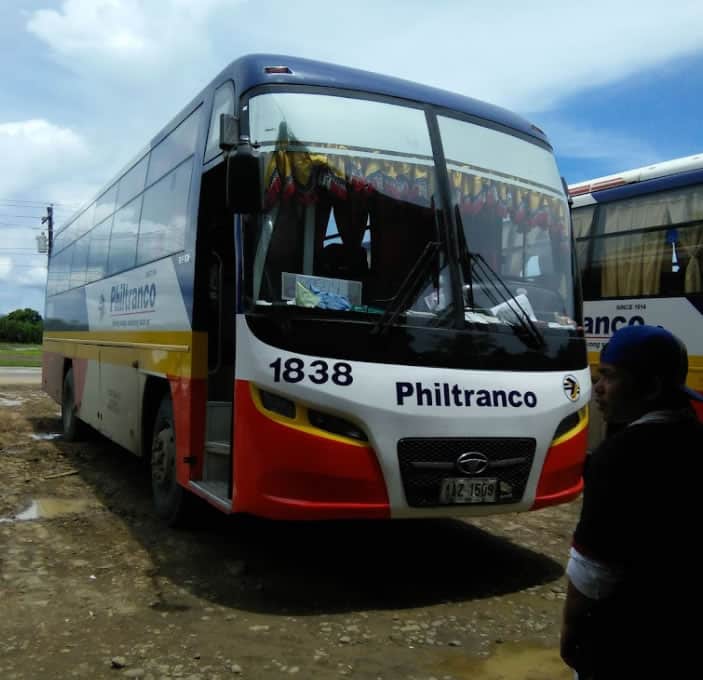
{"x":561,"y":479}
{"x":286,"y":472}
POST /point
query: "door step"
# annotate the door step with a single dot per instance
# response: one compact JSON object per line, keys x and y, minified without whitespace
{"x":215,"y":492}
{"x":217,"y":448}
{"x":217,"y":462}
{"x":217,"y":467}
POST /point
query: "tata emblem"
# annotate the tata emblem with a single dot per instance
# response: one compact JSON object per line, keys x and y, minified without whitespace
{"x":572,"y":389}
{"x":472,"y":462}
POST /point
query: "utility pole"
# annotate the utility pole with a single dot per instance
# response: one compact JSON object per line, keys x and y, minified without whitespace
{"x":49,"y":221}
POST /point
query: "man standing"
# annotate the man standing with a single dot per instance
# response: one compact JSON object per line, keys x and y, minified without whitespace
{"x":632,"y":587}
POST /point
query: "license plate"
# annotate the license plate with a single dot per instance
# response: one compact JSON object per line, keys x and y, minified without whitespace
{"x":466,"y":490}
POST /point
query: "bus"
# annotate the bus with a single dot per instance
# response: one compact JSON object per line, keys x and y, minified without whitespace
{"x":639,"y":241}
{"x":323,"y":293}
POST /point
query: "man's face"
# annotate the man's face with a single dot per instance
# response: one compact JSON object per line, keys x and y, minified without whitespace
{"x":617,"y":395}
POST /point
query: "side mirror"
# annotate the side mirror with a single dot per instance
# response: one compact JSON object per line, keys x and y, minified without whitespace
{"x":243,"y":169}
{"x":229,"y":131}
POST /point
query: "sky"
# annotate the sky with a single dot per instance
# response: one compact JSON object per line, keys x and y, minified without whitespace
{"x":84,"y":84}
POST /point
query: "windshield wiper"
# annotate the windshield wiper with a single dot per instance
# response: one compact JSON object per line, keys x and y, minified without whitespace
{"x":508,"y":298}
{"x":407,"y":290}
{"x":486,"y":275}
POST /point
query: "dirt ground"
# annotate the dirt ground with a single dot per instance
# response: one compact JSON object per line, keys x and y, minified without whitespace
{"x":93,"y":586}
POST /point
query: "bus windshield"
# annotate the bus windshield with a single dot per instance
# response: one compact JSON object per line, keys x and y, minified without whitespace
{"x":513,"y":224}
{"x":350,"y":208}
{"x":353,"y":220}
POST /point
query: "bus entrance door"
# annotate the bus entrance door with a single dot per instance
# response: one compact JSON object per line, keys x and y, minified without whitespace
{"x":217,"y":469}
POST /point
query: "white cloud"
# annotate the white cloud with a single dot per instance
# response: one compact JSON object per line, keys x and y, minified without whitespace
{"x":20,"y":263}
{"x":517,"y":54}
{"x":43,"y":157}
{"x":92,"y":25}
{"x":589,"y":143}
{"x":38,"y":152}
{"x":106,"y":34}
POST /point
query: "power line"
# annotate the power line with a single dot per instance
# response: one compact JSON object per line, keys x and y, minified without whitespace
{"x":25,"y":217}
{"x":39,"y":204}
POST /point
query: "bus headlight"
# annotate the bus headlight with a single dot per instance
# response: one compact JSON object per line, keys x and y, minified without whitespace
{"x":277,"y":404}
{"x":336,"y":425}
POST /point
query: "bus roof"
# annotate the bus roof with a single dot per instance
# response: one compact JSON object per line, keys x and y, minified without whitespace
{"x":261,"y":69}
{"x":647,"y":172}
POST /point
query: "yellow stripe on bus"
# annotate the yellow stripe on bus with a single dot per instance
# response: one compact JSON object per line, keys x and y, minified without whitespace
{"x":178,"y":353}
{"x":582,"y":425}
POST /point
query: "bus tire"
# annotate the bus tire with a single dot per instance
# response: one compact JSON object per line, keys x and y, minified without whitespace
{"x":73,"y":426}
{"x":169,"y":496}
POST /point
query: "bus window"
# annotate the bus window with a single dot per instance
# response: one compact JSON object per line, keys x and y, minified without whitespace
{"x":650,"y":245}
{"x":123,"y":240}
{"x":97,"y":257}
{"x":61,"y":265}
{"x":174,"y":149}
{"x":84,"y":223}
{"x":79,"y":261}
{"x":105,"y":205}
{"x":690,"y":256}
{"x":163,"y":222}
{"x":132,"y":183}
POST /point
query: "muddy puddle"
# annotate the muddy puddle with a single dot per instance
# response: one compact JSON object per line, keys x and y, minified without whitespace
{"x":512,"y":661}
{"x":48,"y":508}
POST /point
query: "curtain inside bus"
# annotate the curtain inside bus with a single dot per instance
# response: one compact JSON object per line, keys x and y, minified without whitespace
{"x":688,"y":207}
{"x":634,"y":263}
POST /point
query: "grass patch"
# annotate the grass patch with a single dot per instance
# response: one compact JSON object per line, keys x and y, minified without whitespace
{"x":15,"y":354}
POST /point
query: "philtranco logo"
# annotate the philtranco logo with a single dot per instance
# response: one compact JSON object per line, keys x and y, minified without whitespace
{"x":571,"y":386}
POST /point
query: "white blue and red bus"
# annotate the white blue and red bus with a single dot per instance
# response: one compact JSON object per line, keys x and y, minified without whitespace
{"x":324,"y":293}
{"x":639,"y":238}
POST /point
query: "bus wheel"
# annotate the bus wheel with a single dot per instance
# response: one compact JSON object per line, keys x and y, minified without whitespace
{"x":73,"y":427}
{"x":169,"y":496}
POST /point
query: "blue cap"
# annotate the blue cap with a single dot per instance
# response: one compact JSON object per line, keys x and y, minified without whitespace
{"x":650,"y":349}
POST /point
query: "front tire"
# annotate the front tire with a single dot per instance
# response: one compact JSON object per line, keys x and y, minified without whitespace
{"x":73,"y":426}
{"x":169,"y":497}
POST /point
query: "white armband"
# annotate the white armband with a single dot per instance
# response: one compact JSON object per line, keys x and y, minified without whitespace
{"x":590,"y":577}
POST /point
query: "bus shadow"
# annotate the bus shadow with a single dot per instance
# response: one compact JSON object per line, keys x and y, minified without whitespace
{"x":255,"y":565}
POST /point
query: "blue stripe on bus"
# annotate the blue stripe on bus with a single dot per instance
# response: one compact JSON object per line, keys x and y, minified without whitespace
{"x":649,"y":186}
